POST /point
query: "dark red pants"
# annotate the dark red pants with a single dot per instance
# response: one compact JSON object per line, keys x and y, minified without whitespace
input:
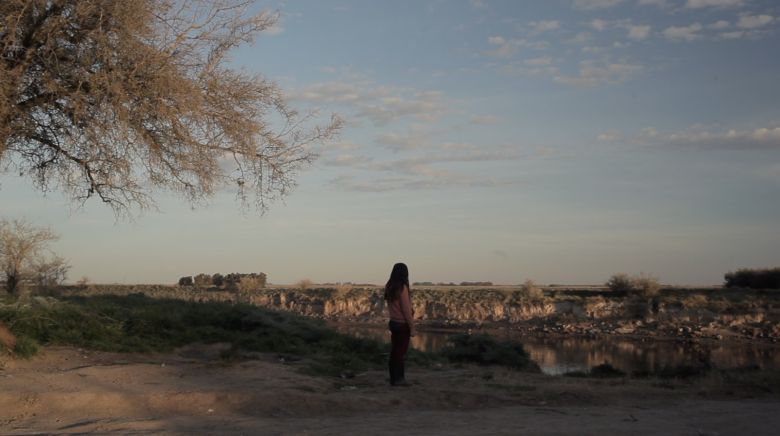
{"x":400,"y":335}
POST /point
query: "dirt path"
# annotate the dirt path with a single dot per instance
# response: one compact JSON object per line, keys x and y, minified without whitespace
{"x":66,"y":390}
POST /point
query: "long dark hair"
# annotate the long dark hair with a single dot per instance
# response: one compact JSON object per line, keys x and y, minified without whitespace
{"x":398,"y":279}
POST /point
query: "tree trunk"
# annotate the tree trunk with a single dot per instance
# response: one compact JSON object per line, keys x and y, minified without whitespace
{"x":12,"y":283}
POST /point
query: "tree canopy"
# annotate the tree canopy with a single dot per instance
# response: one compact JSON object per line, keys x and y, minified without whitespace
{"x":118,"y":99}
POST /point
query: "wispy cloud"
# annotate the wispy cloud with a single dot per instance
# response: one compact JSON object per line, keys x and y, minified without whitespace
{"x":592,"y":73}
{"x":346,"y":160}
{"x":484,"y":119}
{"x":380,"y":104}
{"x":595,"y":4}
{"x":697,"y":4}
{"x":748,"y":21}
{"x":505,"y":48}
{"x":683,"y":33}
{"x":657,"y":3}
{"x":704,"y":138}
{"x":638,"y":32}
{"x":538,"y":27}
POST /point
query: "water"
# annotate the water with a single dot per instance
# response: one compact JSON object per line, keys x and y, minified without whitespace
{"x":557,"y":356}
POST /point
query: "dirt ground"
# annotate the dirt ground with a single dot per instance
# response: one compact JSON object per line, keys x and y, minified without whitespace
{"x":66,"y":391}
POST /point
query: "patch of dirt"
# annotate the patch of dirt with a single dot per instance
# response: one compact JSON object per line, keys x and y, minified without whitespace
{"x":67,"y":390}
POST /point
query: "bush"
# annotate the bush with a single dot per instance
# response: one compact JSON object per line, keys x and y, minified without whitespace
{"x":251,"y":282}
{"x":642,"y":285}
{"x":485,"y":350}
{"x":203,"y":280}
{"x":531,"y":290}
{"x":768,"y":278}
{"x":304,"y":284}
{"x":244,"y":282}
{"x":185,"y":281}
{"x":26,"y":347}
{"x":645,"y":285}
{"x":619,"y":283}
{"x":343,"y":288}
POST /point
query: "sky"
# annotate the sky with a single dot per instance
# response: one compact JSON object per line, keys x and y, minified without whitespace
{"x":560,"y":141}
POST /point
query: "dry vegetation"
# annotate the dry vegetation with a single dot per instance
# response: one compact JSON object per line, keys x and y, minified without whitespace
{"x":115,"y":99}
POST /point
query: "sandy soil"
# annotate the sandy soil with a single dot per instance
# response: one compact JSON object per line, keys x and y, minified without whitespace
{"x":66,"y":390}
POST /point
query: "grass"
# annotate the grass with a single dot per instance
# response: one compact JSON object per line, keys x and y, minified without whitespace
{"x":136,"y":323}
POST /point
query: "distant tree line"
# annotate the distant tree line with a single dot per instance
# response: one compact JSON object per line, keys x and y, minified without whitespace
{"x":767,"y":278}
{"x":232,"y":281}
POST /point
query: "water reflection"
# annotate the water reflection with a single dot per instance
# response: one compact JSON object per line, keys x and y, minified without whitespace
{"x":561,"y":355}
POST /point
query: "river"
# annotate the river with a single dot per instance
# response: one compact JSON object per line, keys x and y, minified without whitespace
{"x":557,"y":356}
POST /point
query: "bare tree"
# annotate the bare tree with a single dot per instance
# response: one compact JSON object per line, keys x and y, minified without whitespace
{"x":22,"y":251}
{"x":116,"y":99}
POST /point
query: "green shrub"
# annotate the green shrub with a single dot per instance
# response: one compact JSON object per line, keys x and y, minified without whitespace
{"x":485,"y":350}
{"x":26,"y":347}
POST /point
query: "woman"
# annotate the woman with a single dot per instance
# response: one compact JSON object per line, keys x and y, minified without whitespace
{"x":399,"y":305}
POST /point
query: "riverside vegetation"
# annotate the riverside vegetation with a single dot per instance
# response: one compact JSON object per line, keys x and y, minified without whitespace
{"x":135,"y":323}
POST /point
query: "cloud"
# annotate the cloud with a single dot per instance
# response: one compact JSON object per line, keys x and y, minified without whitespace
{"x":748,"y":21}
{"x":544,"y":26}
{"x":346,"y":160}
{"x":609,"y":136}
{"x":684,"y":33}
{"x":696,"y":4}
{"x":580,"y":38}
{"x":380,"y":104}
{"x":478,"y":3}
{"x":330,"y":92}
{"x":530,"y":70}
{"x":703,"y":138}
{"x":656,"y":3}
{"x":638,"y":32}
{"x":413,"y":139}
{"x":595,"y":4}
{"x":592,"y":73}
{"x":387,"y":184}
{"x":342,"y":145}
{"x":505,"y":48}
{"x":484,"y":119}
{"x":539,"y":62}
{"x":719,"y":25}
{"x":599,"y":24}
{"x":733,"y":35}
{"x":423,"y":106}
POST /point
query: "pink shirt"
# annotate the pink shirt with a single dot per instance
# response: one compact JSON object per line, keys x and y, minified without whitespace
{"x":401,"y":309}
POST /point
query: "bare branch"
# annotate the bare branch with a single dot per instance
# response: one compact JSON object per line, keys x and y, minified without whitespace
{"x":119,"y":99}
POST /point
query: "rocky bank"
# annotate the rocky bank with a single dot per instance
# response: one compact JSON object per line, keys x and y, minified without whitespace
{"x":688,"y":313}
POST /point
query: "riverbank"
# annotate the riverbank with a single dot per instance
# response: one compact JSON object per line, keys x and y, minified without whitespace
{"x":66,"y":390}
{"x":687,"y":313}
